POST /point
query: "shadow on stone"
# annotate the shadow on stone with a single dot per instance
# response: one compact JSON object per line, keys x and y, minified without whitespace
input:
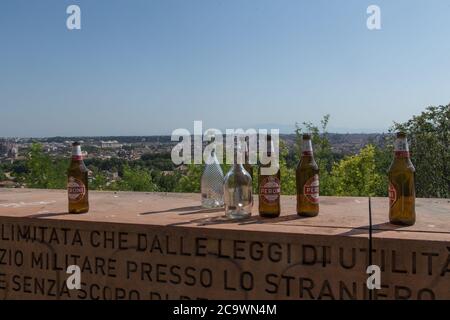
{"x":376,"y":228}
{"x":261,"y":220}
{"x":203,"y":210}
{"x":209,"y":221}
{"x":184,"y":210}
{"x":386,"y":226}
{"x":48,"y":214}
{"x":251,"y":220}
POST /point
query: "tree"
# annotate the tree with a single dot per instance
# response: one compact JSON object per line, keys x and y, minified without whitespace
{"x":356,"y":175}
{"x":383,"y":159}
{"x":19,"y":168}
{"x":190,"y":182}
{"x":288,"y":183}
{"x":166,"y":182}
{"x":429,"y":137}
{"x":98,"y":180}
{"x":136,"y":179}
{"x":43,"y":172}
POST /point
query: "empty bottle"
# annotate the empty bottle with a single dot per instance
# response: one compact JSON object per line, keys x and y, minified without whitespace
{"x":212,"y":183}
{"x":238,"y":196}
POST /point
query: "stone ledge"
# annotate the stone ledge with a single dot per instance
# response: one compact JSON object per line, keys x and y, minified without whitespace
{"x":338,"y":215}
{"x":283,"y":258}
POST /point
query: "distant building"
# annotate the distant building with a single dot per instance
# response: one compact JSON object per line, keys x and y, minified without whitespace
{"x":13,"y":152}
{"x":3,"y":150}
{"x":113,"y":144}
{"x":9,"y":150}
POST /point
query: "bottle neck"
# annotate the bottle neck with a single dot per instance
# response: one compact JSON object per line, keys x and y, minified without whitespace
{"x":307,"y":148}
{"x":213,"y":153}
{"x":239,"y":153}
{"x":238,"y":166}
{"x":211,"y":158}
{"x":270,"y":148}
{"x":401,"y":148}
{"x":246,"y":152}
{"x":76,"y":153}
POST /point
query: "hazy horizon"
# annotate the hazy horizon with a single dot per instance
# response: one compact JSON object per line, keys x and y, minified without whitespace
{"x":161,"y":135}
{"x":143,"y":68}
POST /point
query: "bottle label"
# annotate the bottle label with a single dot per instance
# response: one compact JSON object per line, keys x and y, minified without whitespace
{"x":76,"y":189}
{"x":392,"y":194}
{"x":270,"y":189}
{"x":401,"y":148}
{"x":311,"y":189}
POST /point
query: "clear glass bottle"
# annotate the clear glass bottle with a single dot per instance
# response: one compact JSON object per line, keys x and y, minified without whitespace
{"x":238,"y":194}
{"x":212,"y":183}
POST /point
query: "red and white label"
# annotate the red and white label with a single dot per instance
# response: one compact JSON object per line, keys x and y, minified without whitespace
{"x":76,"y":189}
{"x":392,"y":194}
{"x":270,"y":189}
{"x":311,"y":189}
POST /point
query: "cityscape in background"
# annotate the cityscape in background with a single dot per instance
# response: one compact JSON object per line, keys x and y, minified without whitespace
{"x":134,"y":148}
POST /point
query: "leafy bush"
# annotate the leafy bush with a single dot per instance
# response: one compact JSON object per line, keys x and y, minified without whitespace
{"x":429,"y":136}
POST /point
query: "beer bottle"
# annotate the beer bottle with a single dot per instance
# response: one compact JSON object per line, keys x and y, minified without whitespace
{"x":307,"y":176}
{"x":77,"y":182}
{"x":401,"y":185}
{"x":269,"y":188}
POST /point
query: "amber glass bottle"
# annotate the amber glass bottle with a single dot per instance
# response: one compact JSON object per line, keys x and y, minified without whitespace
{"x":77,"y":182}
{"x":307,"y":177}
{"x":269,"y":187}
{"x":402,"y":198}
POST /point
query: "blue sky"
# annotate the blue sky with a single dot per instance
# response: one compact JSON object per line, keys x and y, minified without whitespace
{"x":142,"y":67}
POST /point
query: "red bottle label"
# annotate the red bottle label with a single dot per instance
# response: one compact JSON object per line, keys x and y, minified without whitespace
{"x":311,"y":189}
{"x":270,"y":189}
{"x":76,"y":189}
{"x":392,"y":194}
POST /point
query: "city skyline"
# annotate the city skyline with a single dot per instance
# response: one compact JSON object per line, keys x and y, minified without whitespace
{"x":145,"y":68}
